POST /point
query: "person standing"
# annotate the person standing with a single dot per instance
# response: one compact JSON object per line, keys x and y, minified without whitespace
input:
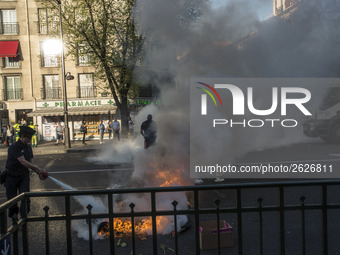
{"x":34,"y":137}
{"x":83,"y":129}
{"x":19,"y":160}
{"x":17,"y":129}
{"x":115,"y":125}
{"x":101,"y":130}
{"x":148,"y":130}
{"x":23,"y":122}
{"x":109,"y":128}
{"x":9,"y":134}
{"x":60,"y":132}
{"x":131,"y":128}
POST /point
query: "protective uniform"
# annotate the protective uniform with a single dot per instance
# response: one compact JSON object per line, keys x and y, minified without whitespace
{"x":17,"y":174}
{"x":17,"y":129}
{"x":34,"y":137}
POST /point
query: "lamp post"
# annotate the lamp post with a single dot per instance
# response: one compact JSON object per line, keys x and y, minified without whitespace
{"x":63,"y":78}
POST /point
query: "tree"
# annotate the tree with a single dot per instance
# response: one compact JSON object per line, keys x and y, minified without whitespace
{"x":108,"y":31}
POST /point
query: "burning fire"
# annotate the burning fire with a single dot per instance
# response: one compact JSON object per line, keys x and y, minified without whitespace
{"x":165,"y":176}
{"x":123,"y":227}
{"x":162,"y":176}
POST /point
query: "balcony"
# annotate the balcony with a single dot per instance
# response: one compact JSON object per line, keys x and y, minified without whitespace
{"x":86,"y":92}
{"x":12,"y":94}
{"x":50,"y":93}
{"x":9,"y":28}
{"x":10,"y":64}
{"x":50,"y":61}
{"x":47,"y":27}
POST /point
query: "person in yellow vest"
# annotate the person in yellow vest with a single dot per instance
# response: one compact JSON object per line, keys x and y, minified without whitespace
{"x":34,"y":137}
{"x":17,"y":130}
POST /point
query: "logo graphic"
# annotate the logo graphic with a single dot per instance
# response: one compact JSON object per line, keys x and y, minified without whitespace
{"x":204,"y":97}
{"x":239,"y":99}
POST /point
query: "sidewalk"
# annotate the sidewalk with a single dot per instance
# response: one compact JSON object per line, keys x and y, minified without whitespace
{"x":47,"y":147}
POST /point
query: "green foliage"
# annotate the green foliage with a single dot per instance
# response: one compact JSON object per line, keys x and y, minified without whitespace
{"x":104,"y":30}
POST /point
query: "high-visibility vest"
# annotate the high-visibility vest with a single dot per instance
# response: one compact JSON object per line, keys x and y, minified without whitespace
{"x":17,"y":127}
{"x":33,"y":127}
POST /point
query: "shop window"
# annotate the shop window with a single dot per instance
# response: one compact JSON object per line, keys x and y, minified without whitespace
{"x":51,"y":89}
{"x":86,"y":86}
{"x":9,"y":24}
{"x":12,"y":90}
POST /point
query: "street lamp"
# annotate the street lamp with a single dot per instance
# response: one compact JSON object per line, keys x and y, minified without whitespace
{"x":63,"y":78}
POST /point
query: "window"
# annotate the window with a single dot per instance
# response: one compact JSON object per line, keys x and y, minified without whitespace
{"x":9,"y":23}
{"x":10,"y":62}
{"x":51,"y":87}
{"x":84,"y":55}
{"x":13,"y":89}
{"x":86,"y":85}
{"x":50,"y":51}
{"x":48,"y":20}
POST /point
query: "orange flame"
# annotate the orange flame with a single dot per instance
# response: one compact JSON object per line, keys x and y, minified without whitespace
{"x":163,"y":176}
{"x":142,"y":228}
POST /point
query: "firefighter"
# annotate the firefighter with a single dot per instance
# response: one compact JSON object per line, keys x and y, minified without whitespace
{"x":17,"y":130}
{"x":19,"y":160}
{"x":34,"y":137}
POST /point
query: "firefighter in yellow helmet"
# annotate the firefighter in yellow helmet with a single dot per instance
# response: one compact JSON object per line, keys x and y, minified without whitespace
{"x":34,"y":137}
{"x":17,"y":130}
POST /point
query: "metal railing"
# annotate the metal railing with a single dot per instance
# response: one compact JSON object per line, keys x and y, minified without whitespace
{"x":258,"y":208}
{"x":9,"y":28}
{"x":48,"y":27}
{"x":12,"y":94}
{"x":50,"y":93}
{"x":86,"y":92}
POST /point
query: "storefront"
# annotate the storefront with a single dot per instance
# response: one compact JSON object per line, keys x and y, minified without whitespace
{"x":49,"y":113}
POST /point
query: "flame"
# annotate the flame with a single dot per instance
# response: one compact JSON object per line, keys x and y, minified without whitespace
{"x":166,"y":176}
{"x":162,"y":176}
{"x":123,"y":227}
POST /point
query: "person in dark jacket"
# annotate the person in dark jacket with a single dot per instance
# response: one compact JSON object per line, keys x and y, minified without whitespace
{"x":83,"y":129}
{"x":19,"y":160}
{"x":148,"y":130}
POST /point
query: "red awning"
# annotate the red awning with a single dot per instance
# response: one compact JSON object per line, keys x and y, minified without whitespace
{"x":8,"y":49}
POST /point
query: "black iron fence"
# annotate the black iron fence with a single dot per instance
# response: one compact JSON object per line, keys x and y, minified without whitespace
{"x":238,"y":201}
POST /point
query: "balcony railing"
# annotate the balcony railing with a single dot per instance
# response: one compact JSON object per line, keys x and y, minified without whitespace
{"x":86,"y":92}
{"x":10,"y":64}
{"x":84,"y":60}
{"x":50,"y":93}
{"x":47,"y":28}
{"x":49,"y":61}
{"x":9,"y":28}
{"x":12,"y":94}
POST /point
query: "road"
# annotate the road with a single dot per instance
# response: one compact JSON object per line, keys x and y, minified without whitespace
{"x":76,"y":170}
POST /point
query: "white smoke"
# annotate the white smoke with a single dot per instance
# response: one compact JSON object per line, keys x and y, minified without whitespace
{"x":192,"y":38}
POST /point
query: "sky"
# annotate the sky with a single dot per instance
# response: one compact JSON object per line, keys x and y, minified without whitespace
{"x":264,"y":8}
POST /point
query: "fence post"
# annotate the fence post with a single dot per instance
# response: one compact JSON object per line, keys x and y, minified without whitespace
{"x":260,"y":200}
{"x":89,"y":208}
{"x":302,"y":199}
{"x":47,"y":230}
{"x":217,"y":203}
{"x":175,"y":203}
{"x":132,"y":206}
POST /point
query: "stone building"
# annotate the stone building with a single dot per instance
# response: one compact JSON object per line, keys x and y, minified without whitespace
{"x":30,"y":74}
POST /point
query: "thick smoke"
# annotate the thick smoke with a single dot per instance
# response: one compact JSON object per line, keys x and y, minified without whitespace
{"x":193,"y":38}
{"x":233,"y":41}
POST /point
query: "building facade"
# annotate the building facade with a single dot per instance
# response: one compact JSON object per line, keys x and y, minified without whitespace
{"x":283,"y":7}
{"x":31,"y":74}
